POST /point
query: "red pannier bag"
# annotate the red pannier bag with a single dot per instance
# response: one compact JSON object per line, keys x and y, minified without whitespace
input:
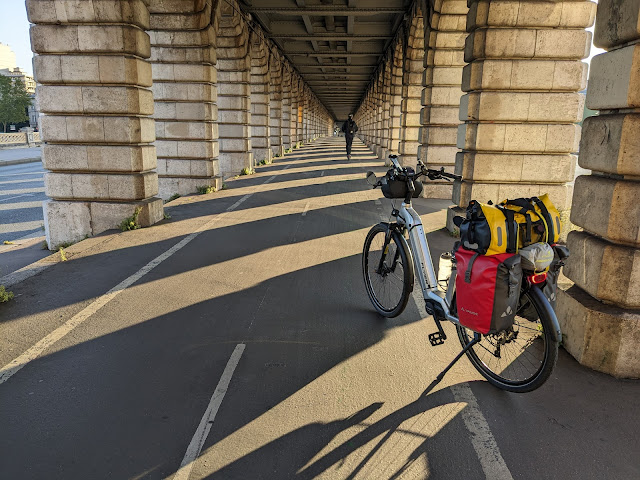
{"x":487,"y":290}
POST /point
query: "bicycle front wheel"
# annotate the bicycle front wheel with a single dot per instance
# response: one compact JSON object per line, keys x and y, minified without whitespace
{"x":519,"y":359}
{"x":387,"y":271}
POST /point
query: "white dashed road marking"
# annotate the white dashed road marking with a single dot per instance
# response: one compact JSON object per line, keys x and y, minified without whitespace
{"x":202,"y":432}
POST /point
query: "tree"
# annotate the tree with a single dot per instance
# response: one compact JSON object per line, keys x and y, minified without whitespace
{"x":14,"y":101}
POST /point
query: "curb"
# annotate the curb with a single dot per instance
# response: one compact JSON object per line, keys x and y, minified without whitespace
{"x":20,"y":161}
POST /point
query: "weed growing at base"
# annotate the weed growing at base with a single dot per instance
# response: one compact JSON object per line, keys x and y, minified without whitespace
{"x":247,"y":171}
{"x":131,"y":223}
{"x":206,"y":189}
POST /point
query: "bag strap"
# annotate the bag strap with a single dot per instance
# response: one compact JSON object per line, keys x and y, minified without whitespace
{"x":512,"y":229}
{"x":546,"y":217}
{"x":467,"y":274}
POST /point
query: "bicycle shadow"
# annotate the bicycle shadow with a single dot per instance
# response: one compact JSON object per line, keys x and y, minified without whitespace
{"x":294,"y":456}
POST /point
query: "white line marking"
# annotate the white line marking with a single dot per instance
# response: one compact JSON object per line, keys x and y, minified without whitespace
{"x":237,"y":204}
{"x":270,"y":179}
{"x":287,"y":166}
{"x":36,"y":350}
{"x":322,"y":173}
{"x":378,"y":202}
{"x":11,"y":198}
{"x":202,"y":432}
{"x":306,"y":209}
{"x":482,"y":439}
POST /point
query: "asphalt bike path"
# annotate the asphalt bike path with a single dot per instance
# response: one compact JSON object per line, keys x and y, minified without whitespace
{"x":236,"y":341}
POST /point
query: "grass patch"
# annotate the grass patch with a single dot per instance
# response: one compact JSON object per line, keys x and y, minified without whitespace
{"x":131,"y":223}
{"x":247,"y":171}
{"x":224,"y":186}
{"x":173,"y":197}
{"x":7,"y":242}
{"x":166,"y":216}
{"x":5,"y":296}
{"x":206,"y":189}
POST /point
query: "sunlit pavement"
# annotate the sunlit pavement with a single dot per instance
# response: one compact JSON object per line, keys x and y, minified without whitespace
{"x":236,"y":341}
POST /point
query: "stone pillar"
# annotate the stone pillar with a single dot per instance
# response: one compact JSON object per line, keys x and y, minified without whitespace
{"x":275,"y":112}
{"x":96,"y":105}
{"x":442,"y":80}
{"x":396,"y":101}
{"x":234,"y":103}
{"x":260,"y":136}
{"x":183,"y":57}
{"x":378,"y":112}
{"x":412,"y":92}
{"x":523,"y":102}
{"x":386,"y":110}
{"x":295,"y":84}
{"x":600,"y":314}
{"x":286,"y":107}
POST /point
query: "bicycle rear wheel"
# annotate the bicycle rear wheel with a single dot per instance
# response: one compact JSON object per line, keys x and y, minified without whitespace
{"x":387,"y":271}
{"x":522,"y":358}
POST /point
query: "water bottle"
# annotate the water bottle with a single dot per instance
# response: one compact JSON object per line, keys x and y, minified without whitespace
{"x":444,"y":270}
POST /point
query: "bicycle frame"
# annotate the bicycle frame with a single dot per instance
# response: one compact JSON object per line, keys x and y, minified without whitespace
{"x":421,"y":255}
{"x":419,"y":249}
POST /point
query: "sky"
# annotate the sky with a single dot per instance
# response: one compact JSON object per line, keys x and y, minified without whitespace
{"x":14,"y":31}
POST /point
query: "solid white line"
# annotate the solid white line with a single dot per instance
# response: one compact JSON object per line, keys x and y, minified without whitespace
{"x":11,"y":198}
{"x":269,"y":180}
{"x":322,"y":173}
{"x":306,"y":209}
{"x":36,"y":350}
{"x":482,"y":439}
{"x":202,"y":432}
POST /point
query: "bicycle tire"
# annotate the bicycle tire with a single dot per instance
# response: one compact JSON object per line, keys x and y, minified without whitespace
{"x":480,"y":354}
{"x":403,"y":285}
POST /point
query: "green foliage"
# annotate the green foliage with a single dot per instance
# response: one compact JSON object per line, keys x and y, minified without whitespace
{"x":4,"y":295}
{"x":205,"y":189}
{"x":7,"y":242}
{"x":63,"y":255}
{"x":224,"y":186}
{"x":166,"y":216}
{"x":277,"y":155}
{"x":14,"y":101}
{"x":131,"y":223}
{"x":44,"y":245}
{"x":173,"y":197}
{"x":247,"y":171}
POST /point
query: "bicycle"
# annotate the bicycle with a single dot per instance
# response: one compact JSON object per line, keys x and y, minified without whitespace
{"x":519,"y":359}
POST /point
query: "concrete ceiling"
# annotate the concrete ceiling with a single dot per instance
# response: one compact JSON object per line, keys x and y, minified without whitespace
{"x":335,"y":45}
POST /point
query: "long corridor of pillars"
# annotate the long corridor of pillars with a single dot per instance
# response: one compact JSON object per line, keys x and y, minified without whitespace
{"x":145,"y":99}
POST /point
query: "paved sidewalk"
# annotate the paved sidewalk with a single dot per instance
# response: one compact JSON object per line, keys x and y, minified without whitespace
{"x":241,"y":325}
{"x":19,"y":155}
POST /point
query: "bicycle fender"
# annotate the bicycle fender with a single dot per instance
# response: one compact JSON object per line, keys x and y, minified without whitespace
{"x":544,"y":303}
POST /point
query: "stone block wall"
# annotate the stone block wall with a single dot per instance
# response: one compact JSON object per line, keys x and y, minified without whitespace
{"x":94,"y":82}
{"x":445,"y":36}
{"x":260,"y":101}
{"x":522,"y":104}
{"x":183,"y":58}
{"x":600,"y":314}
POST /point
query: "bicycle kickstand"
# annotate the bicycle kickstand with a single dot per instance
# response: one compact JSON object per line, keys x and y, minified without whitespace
{"x":476,"y":339}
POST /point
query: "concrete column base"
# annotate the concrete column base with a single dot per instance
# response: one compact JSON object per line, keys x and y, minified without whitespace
{"x":169,"y":186}
{"x":454,"y":211}
{"x":383,"y":154}
{"x":599,"y":336}
{"x":69,"y":222}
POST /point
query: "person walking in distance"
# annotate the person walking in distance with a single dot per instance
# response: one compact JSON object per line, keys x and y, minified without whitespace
{"x":349,"y":128}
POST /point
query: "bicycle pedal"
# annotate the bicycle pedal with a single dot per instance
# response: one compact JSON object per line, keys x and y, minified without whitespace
{"x":437,"y":338}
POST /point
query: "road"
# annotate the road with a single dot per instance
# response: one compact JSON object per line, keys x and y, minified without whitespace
{"x":21,"y":196}
{"x":235,"y":340}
